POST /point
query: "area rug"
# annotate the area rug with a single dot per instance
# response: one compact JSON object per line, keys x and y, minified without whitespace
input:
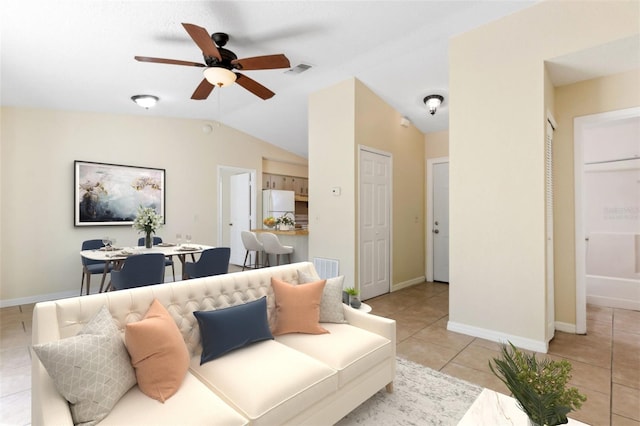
{"x":421,"y":396}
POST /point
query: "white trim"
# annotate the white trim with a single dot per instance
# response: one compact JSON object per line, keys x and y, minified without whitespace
{"x":613,"y":302}
{"x":390,"y":155}
{"x":409,"y":283}
{"x":579,"y":124}
{"x":496,"y":336}
{"x":566,"y":327}
{"x":40,"y":298}
{"x":428,"y":226}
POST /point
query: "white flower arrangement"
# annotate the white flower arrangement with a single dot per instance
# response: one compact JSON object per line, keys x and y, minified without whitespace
{"x":147,"y":220}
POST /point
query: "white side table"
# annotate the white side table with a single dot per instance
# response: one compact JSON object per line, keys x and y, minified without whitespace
{"x":364,"y":308}
{"x":493,"y":408}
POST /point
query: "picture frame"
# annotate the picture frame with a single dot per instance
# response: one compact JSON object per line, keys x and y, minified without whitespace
{"x":110,"y":194}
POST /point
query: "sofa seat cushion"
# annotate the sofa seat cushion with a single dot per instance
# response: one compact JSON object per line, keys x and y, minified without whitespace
{"x":350,"y":350}
{"x":193,"y":404}
{"x":267,"y":382}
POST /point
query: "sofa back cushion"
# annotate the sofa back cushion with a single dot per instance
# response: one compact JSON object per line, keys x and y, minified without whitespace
{"x":180,"y":299}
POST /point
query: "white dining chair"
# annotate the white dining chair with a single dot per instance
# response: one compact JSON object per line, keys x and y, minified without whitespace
{"x":272,"y":245}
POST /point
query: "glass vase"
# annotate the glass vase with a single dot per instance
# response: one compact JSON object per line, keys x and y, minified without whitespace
{"x":148,"y":240}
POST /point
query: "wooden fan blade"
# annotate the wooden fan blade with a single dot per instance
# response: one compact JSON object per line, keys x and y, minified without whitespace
{"x":168,"y":61}
{"x":267,"y":62}
{"x":203,"y":90}
{"x":254,"y":87}
{"x":203,"y":40}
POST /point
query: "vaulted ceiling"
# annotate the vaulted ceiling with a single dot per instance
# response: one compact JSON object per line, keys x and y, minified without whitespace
{"x":79,"y":55}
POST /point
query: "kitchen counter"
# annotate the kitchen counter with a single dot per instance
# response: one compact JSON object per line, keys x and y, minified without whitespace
{"x":274,"y":231}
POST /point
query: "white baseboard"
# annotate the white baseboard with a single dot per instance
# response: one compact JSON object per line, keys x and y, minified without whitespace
{"x":409,"y":283}
{"x":499,"y":337}
{"x":565,"y":327}
{"x":613,"y":302}
{"x":38,"y":298}
{"x":5,"y":303}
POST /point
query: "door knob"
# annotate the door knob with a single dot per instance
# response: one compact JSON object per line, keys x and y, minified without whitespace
{"x":435,"y":231}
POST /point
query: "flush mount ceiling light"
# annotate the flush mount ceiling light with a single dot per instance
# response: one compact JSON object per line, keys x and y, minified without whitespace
{"x":433,"y":102}
{"x":219,"y":76}
{"x":145,"y":101}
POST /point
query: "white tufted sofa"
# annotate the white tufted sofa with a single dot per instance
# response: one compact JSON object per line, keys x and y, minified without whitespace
{"x":296,"y":379}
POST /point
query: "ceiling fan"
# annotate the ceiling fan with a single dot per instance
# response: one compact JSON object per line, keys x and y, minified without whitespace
{"x":221,"y":62}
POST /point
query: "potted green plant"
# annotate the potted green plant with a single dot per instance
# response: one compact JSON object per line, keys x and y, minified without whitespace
{"x":539,"y":385}
{"x":354,"y":301}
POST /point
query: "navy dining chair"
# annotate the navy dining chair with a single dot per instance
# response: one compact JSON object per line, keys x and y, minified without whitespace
{"x":168,"y":259}
{"x":213,"y":261}
{"x":139,"y":270}
{"x":91,"y":267}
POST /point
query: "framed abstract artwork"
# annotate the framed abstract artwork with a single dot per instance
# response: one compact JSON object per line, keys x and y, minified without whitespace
{"x":110,"y":194}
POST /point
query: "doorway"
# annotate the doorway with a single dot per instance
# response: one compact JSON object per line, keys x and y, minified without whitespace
{"x":607,"y":188}
{"x":437,"y":238}
{"x":375,"y":223}
{"x":237,"y":209}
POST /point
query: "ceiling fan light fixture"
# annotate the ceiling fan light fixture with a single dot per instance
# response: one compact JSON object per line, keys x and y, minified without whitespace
{"x":145,"y":101}
{"x":433,"y":102}
{"x":220,"y":77}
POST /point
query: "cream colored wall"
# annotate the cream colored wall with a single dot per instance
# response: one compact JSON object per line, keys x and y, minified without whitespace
{"x":595,"y":96}
{"x":436,"y":144}
{"x":357,"y":116}
{"x":497,"y":121}
{"x":38,"y":240}
{"x":285,"y":168}
{"x":332,"y":219}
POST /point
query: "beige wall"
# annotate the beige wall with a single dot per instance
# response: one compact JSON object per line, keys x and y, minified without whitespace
{"x":378,"y":126}
{"x":38,"y":241}
{"x":359,"y":117}
{"x":497,"y":254}
{"x":285,"y":168}
{"x":595,"y":96}
{"x":436,"y":144}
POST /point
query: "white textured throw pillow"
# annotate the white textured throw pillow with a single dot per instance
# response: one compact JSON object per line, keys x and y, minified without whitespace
{"x":331,"y":305}
{"x":92,"y":370}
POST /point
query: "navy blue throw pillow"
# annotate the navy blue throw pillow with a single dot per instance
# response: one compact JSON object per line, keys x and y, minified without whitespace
{"x":227,"y":329}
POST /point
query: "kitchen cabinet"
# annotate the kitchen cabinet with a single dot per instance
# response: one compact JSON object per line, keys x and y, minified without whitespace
{"x":266,"y":181}
{"x":301,"y":186}
{"x":285,"y":183}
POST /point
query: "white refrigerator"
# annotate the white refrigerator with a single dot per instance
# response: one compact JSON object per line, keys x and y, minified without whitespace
{"x":277,"y":203}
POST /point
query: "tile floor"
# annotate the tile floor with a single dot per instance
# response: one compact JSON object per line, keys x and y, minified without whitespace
{"x":606,"y":362}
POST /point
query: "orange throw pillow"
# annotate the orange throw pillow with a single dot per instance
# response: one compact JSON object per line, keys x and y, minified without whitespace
{"x":158,"y":353}
{"x":298,"y":307}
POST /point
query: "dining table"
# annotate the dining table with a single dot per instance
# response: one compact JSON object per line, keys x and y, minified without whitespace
{"x":117,"y":255}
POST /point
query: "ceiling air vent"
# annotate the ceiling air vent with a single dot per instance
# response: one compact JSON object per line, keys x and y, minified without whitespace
{"x":298,"y":69}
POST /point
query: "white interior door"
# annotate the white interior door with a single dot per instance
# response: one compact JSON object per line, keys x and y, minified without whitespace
{"x":440,"y":226}
{"x":375,"y":228}
{"x":240,"y":214}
